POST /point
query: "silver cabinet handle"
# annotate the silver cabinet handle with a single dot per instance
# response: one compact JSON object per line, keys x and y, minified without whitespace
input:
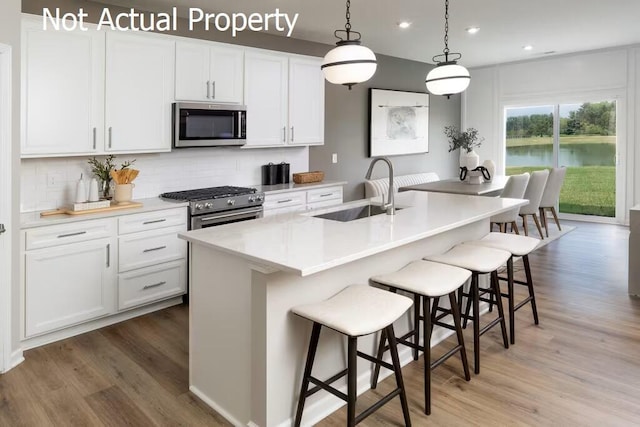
{"x":94,"y":138}
{"x":155,"y":249}
{"x":2,"y":229}
{"x":71,"y":234}
{"x":213,"y":90}
{"x":208,"y":89}
{"x":154,"y":221}
{"x":285,"y":201}
{"x":155,"y":285}
{"x":110,"y":134}
{"x":284,"y":133}
{"x":291,"y":133}
{"x":326,"y":195}
{"x":108,"y":255}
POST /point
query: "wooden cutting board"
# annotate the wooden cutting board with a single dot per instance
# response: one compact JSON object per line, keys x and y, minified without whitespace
{"x":113,"y":207}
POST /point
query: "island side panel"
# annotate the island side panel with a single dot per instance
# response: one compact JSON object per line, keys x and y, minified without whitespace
{"x":287,"y":335}
{"x":220,"y":332}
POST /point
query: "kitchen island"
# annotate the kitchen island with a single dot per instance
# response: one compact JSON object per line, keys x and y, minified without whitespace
{"x":246,"y":350}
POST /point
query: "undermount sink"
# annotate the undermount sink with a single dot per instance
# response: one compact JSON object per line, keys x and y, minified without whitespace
{"x":352,"y":214}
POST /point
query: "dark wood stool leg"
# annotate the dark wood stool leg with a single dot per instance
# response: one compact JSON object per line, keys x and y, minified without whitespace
{"x":512,"y":309}
{"x":416,"y":325}
{"x":475,"y":296}
{"x":455,"y":311}
{"x":376,"y":368}
{"x":352,"y":380}
{"x":397,"y":370}
{"x":503,"y":323}
{"x":428,"y":325}
{"x":434,"y":312}
{"x":467,"y":311}
{"x":311,"y":354}
{"x":527,"y":270}
{"x":460,"y":296}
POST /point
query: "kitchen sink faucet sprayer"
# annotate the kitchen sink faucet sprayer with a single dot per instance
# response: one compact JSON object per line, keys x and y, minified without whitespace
{"x":390,"y":206}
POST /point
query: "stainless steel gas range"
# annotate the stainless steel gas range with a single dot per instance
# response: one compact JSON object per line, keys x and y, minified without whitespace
{"x":213,"y":206}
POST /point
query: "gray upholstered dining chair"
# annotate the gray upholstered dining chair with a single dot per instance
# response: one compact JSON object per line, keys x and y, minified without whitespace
{"x":550,"y":197}
{"x":534,"y":191}
{"x":514,"y":189}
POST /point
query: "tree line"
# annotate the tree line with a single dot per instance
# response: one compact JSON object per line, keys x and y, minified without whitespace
{"x":592,"y":118}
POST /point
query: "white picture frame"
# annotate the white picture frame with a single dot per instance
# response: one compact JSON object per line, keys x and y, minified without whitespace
{"x":398,"y":122}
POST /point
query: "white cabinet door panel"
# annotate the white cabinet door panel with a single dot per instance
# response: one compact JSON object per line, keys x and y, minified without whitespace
{"x":227,"y":71}
{"x":306,"y":101}
{"x":151,"y":284}
{"x":144,"y":249}
{"x":265,"y":89}
{"x":192,"y":72}
{"x":139,"y":92}
{"x":62,"y":91}
{"x":68,"y":284}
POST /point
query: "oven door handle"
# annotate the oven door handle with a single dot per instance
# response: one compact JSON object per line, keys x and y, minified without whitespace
{"x":230,"y":215}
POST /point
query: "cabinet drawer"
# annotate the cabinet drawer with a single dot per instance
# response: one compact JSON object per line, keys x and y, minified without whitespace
{"x":277,"y":201}
{"x":151,"y":284}
{"x":152,"y":220}
{"x":150,"y":247}
{"x":322,"y":194}
{"x":54,"y":235}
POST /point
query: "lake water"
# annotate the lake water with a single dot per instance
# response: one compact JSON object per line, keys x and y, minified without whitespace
{"x":570,"y":155}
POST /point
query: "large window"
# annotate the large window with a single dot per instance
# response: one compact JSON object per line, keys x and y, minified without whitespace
{"x":581,"y":137}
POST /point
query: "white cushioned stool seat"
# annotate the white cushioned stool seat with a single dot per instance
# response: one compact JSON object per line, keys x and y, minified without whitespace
{"x":516,"y":244}
{"x":356,"y":310}
{"x":428,"y":278}
{"x":472,"y":257}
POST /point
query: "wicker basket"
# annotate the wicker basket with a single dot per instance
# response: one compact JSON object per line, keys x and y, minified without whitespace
{"x":308,"y":177}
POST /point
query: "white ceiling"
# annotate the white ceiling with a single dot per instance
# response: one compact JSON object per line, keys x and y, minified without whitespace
{"x":558,"y":26}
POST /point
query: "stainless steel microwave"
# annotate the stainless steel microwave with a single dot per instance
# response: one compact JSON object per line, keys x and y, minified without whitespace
{"x":208,"y":125}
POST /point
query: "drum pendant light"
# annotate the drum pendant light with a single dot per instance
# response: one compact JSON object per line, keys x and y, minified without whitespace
{"x":350,"y":62}
{"x":447,"y":78}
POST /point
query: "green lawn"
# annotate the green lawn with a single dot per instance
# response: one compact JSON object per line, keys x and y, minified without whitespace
{"x":564,"y":139}
{"x":587,"y":190}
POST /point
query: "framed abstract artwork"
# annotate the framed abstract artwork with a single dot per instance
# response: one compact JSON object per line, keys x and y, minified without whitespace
{"x":398,"y":122}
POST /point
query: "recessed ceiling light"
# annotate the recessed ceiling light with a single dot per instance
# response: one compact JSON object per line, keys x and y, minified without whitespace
{"x":527,"y":47}
{"x":404,"y":24}
{"x":472,"y":30}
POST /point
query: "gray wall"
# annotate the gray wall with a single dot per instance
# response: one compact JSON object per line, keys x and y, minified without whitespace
{"x":10,"y":35}
{"x":347,"y":128}
{"x":346,"y":122}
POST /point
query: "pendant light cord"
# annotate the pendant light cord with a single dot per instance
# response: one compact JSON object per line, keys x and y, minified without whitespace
{"x":446,"y":31}
{"x":351,"y":36}
{"x":347,"y":15}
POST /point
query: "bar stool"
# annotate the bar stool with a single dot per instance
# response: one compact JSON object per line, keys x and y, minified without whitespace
{"x":479,"y":260}
{"x":355,"y":311}
{"x":426,"y":280}
{"x":518,"y":246}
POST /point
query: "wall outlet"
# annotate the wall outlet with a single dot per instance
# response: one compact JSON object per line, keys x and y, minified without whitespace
{"x":334,"y":158}
{"x":54,"y":180}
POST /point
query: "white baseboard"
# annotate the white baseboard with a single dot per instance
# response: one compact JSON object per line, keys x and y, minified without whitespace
{"x":219,"y":409}
{"x":15,"y":359}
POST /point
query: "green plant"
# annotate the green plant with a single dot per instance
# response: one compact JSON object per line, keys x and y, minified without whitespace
{"x":102,"y":169}
{"x":467,"y":140}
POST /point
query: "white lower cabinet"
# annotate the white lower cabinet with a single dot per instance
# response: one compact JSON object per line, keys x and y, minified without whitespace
{"x":302,"y":200}
{"x":69,"y":284}
{"x":151,"y":284}
{"x":77,"y":272}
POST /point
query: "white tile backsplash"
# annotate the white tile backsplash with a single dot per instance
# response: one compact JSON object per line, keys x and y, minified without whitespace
{"x":50,"y":183}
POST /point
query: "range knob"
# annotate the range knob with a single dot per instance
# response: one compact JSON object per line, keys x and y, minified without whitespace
{"x":259,"y":197}
{"x":208,"y":205}
{"x":199,"y":206}
{"x":231,"y":202}
{"x":252,"y":199}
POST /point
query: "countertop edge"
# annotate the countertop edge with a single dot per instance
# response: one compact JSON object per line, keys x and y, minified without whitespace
{"x":287,"y":188}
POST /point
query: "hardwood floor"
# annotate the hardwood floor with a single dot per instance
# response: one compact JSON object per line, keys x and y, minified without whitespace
{"x":581,"y":366}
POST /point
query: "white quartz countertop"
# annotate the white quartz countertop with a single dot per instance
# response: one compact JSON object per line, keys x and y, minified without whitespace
{"x":304,"y":245}
{"x":292,"y":186}
{"x":33,"y":219}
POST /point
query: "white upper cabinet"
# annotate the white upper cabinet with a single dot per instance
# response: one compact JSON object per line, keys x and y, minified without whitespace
{"x":138,"y":92}
{"x":284,"y":95}
{"x":62,"y":91}
{"x":265,"y":89}
{"x":208,"y":72}
{"x":306,"y":101}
